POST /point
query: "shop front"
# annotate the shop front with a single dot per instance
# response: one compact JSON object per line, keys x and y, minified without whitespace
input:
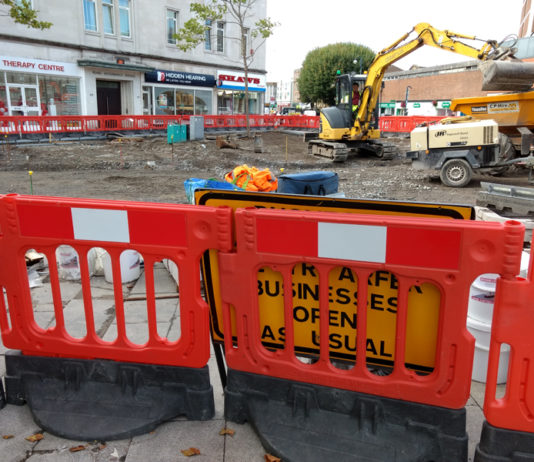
{"x":34,"y":87}
{"x":231,"y":93}
{"x":177,"y":93}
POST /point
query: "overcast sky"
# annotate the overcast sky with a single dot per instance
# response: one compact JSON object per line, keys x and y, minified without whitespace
{"x":309,"y":24}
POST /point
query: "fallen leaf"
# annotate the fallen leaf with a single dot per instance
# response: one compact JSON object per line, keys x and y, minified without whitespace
{"x":227,"y":431}
{"x":34,"y":438}
{"x":8,"y":437}
{"x":271,"y":458}
{"x":102,"y":446}
{"x":81,"y":447}
{"x":190,"y":452}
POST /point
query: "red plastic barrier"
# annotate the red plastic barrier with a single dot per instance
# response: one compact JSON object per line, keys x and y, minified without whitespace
{"x":404,"y":124}
{"x":19,"y":125}
{"x":181,"y":233}
{"x":513,"y":324}
{"x":447,"y":254}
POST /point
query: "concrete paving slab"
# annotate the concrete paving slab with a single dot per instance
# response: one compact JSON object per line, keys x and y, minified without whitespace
{"x":163,"y":282}
{"x":169,"y":439}
{"x":52,"y":448}
{"x":475,"y":419}
{"x":244,"y":445}
{"x":16,"y":421}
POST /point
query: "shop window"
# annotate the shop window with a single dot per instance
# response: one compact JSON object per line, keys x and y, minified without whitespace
{"x":202,"y":102}
{"x":185,"y":102}
{"x":107,"y":15}
{"x":124,"y":18}
{"x":89,"y":14}
{"x":164,"y":99}
{"x":3,"y":101}
{"x":225,"y":103}
{"x":20,"y":77}
{"x":207,"y":35}
{"x":220,"y":36}
{"x":59,"y":95}
{"x":172,"y":26}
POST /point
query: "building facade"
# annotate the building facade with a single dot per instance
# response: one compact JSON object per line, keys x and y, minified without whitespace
{"x":120,"y":57}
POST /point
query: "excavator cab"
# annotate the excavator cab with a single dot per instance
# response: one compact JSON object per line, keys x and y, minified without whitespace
{"x":344,"y":95}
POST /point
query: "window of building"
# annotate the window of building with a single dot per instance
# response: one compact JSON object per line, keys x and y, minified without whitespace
{"x":107,"y":16}
{"x":172,"y":26}
{"x":203,"y":102}
{"x":220,"y":37}
{"x":178,"y":101}
{"x":59,"y":95}
{"x":124,"y":17}
{"x":89,"y":14}
{"x":185,"y":102}
{"x":207,"y":35}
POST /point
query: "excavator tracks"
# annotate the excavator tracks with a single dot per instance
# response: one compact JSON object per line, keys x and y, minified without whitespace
{"x":339,"y":152}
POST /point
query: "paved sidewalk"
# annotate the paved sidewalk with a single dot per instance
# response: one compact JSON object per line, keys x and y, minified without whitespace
{"x":169,"y":439}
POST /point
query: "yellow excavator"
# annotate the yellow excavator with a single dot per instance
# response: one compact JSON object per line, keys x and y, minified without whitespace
{"x":343,"y":132}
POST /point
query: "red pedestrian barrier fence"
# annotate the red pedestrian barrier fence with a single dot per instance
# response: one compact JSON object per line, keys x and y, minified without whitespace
{"x":404,"y":124}
{"x":275,"y":388}
{"x":135,"y":385}
{"x":450,"y":255}
{"x":180,"y":233}
{"x":19,"y":125}
{"x":308,"y":405}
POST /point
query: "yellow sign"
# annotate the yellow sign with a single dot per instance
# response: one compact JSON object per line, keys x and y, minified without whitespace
{"x":382,"y":290}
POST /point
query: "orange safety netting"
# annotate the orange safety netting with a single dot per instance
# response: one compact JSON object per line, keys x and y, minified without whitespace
{"x":252,"y":179}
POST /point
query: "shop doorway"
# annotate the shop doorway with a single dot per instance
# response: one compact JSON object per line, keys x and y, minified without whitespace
{"x":108,"y":97}
{"x":24,"y":100}
{"x":147,"y":101}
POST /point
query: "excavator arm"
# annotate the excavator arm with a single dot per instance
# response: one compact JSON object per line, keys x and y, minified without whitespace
{"x":342,"y":133}
{"x":425,"y":34}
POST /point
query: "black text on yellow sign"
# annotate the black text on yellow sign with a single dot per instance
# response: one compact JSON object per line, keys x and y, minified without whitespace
{"x":382,"y":307}
{"x":382,"y":298}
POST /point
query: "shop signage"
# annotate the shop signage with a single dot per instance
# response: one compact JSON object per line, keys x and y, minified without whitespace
{"x":180,"y":78}
{"x":446,"y":104}
{"x":236,"y":81}
{"x":37,"y":66}
{"x":416,"y":105}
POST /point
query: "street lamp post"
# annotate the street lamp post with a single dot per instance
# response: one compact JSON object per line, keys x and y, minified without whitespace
{"x":358,"y":62}
{"x":408,"y":88}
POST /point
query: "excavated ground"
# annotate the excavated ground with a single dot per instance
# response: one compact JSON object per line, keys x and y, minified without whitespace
{"x":149,"y":169}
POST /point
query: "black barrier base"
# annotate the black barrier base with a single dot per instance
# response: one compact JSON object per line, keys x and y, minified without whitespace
{"x":300,"y":422}
{"x":501,"y":445}
{"x":2,"y":396}
{"x":105,"y":400}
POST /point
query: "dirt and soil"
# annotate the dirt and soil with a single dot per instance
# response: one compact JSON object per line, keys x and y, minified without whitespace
{"x":149,"y":169}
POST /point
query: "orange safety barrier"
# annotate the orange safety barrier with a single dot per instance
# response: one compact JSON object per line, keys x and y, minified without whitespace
{"x":404,"y":124}
{"x":446,"y":254}
{"x":181,"y":233}
{"x":26,"y":125}
{"x":513,"y":321}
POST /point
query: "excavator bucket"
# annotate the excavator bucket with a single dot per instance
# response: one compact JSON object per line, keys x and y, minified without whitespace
{"x":507,"y":75}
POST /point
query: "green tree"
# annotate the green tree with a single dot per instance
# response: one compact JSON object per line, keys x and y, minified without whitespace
{"x":22,"y":13}
{"x":237,"y":12}
{"x":318,"y":74}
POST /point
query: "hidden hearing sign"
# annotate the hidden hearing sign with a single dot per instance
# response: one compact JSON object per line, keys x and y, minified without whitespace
{"x":382,"y":289}
{"x":180,"y":78}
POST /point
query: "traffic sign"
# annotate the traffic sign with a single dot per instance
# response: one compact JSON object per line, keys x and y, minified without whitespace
{"x":382,"y":289}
